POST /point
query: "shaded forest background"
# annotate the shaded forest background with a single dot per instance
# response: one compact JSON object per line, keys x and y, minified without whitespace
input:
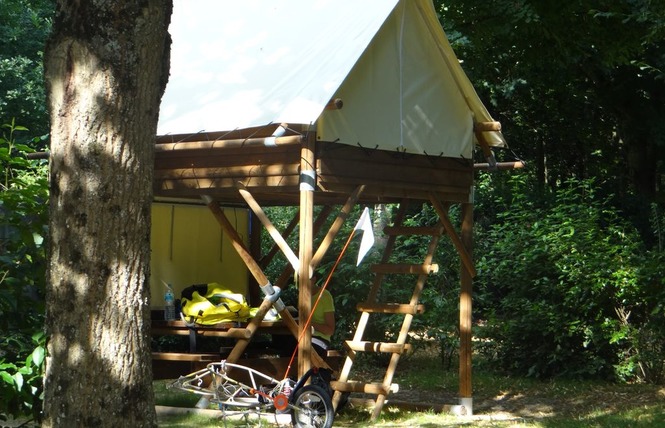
{"x":569,"y":250}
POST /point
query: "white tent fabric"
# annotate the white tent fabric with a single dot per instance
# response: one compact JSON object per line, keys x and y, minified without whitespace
{"x":238,"y":64}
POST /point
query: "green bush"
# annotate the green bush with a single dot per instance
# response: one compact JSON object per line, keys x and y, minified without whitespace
{"x":21,"y":390}
{"x":562,"y":287}
{"x":23,"y":225}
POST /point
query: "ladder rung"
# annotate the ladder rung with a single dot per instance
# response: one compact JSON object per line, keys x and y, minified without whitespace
{"x":405,"y":268}
{"x":363,"y":346}
{"x":367,"y":388}
{"x":391,"y":308}
{"x":404,"y":230}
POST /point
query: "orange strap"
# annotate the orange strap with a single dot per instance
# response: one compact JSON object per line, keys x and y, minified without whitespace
{"x":311,"y":313}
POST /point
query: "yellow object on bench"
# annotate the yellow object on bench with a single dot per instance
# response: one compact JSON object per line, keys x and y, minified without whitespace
{"x":209,"y":304}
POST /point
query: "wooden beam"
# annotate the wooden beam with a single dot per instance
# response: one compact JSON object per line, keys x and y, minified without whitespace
{"x":382,"y":194}
{"x":367,"y":388}
{"x":238,"y":157}
{"x":233,"y":332}
{"x":222,"y":144}
{"x":207,"y":185}
{"x":465,"y":314}
{"x":236,"y":172}
{"x":180,"y":356}
{"x":272,"y":230}
{"x":467,"y":261}
{"x":391,"y":308}
{"x":415,"y":174}
{"x":384,"y":347}
{"x":262,"y":131}
{"x":499,"y":166}
{"x":265,"y":260}
{"x":335,"y":104}
{"x":307,"y":187}
{"x":285,"y":276}
{"x":405,"y":268}
{"x":487,"y":126}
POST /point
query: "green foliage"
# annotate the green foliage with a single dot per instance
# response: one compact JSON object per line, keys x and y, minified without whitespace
{"x":21,"y":381}
{"x":579,"y":93}
{"x":561,"y":279}
{"x":23,"y":223}
{"x":25,"y":25}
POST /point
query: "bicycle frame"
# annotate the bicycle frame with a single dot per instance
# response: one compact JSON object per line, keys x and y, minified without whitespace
{"x":215,"y":383}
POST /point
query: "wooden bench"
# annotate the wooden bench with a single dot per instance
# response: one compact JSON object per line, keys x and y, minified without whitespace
{"x":169,"y":365}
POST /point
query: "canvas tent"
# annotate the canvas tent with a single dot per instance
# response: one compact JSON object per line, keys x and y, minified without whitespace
{"x":304,"y":102}
{"x":252,"y":63}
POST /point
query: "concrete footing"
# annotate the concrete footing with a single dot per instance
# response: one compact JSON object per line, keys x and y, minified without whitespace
{"x":465,"y":407}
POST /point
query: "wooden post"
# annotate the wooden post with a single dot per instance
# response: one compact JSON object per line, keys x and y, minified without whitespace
{"x":465,"y":314}
{"x":307,"y":186}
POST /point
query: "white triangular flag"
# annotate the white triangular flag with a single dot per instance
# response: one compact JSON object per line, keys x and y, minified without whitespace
{"x":365,"y":224}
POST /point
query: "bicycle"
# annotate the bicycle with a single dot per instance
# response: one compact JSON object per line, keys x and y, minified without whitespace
{"x":310,"y":404}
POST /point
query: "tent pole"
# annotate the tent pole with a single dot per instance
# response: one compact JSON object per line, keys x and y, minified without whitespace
{"x":307,"y":185}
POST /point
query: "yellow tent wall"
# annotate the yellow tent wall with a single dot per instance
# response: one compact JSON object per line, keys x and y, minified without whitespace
{"x":188,"y":247}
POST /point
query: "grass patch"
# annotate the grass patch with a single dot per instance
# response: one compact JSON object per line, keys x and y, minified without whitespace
{"x":499,"y":401}
{"x":173,"y":397}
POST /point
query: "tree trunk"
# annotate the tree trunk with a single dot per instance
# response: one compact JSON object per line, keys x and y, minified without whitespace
{"x":106,"y":68}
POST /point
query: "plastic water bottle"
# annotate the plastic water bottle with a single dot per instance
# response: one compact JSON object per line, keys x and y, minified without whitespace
{"x":169,"y":304}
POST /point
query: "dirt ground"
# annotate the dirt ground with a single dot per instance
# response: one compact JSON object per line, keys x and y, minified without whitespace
{"x":503,"y":397}
{"x":538,"y":403}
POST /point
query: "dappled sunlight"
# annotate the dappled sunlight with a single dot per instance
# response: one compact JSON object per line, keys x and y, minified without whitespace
{"x":103,"y":98}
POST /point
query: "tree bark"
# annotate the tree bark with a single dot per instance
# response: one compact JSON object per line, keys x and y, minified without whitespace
{"x":106,"y":68}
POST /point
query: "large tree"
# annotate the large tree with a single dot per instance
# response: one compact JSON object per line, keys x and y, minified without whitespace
{"x":106,"y":67}
{"x":578,"y":85}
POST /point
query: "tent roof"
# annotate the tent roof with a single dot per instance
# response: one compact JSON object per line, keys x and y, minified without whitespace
{"x":241,"y":64}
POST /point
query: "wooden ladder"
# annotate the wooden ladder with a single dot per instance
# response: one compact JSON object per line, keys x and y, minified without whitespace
{"x":372,"y":307}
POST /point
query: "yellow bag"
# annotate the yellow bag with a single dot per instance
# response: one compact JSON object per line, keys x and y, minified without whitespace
{"x":209,"y":304}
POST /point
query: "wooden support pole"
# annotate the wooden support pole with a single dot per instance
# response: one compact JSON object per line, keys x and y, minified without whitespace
{"x":272,"y":230}
{"x":253,"y":267}
{"x":265,"y":260}
{"x":307,"y":186}
{"x":467,"y":261}
{"x":236,"y":241}
{"x":465,"y":314}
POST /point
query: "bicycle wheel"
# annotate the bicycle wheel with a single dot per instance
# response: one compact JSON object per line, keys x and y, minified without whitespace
{"x":312,"y":408}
